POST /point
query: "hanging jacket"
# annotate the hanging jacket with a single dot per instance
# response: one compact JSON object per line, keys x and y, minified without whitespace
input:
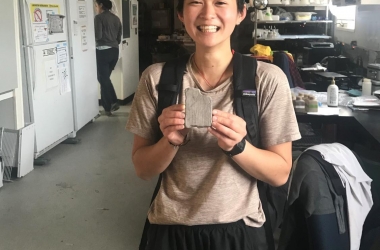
{"x":357,"y":184}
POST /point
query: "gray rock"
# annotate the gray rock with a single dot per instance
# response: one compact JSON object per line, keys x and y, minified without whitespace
{"x":198,"y":109}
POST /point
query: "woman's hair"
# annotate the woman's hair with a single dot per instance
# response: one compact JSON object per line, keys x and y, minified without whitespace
{"x":240,"y":5}
{"x":107,"y":4}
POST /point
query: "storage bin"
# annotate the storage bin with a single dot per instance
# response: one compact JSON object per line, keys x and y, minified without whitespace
{"x":303,"y":16}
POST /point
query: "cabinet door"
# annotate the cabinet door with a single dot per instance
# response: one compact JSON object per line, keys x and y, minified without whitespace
{"x":8,"y":43}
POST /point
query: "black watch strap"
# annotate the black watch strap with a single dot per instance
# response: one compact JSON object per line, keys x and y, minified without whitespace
{"x":237,"y":149}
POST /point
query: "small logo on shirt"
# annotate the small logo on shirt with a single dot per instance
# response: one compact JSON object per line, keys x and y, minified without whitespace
{"x":249,"y":93}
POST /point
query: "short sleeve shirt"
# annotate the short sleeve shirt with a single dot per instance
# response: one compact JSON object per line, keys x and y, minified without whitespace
{"x":202,"y":185}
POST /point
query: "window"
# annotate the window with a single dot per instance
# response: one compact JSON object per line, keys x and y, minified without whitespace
{"x":345,"y":17}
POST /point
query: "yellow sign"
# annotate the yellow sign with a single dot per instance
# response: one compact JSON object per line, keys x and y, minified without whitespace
{"x":39,"y":12}
{"x":45,"y":5}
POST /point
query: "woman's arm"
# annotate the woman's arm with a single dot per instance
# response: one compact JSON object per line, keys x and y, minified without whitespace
{"x":98,"y":28}
{"x":271,"y":165}
{"x":151,"y":159}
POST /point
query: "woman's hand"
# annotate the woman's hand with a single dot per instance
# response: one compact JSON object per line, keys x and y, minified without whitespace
{"x":172,"y":123}
{"x":230,"y":129}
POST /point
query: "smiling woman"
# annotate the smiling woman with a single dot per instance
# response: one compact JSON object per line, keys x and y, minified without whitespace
{"x":208,"y":197}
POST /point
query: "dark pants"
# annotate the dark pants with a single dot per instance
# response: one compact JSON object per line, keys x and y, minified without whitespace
{"x":106,"y":61}
{"x":231,"y":236}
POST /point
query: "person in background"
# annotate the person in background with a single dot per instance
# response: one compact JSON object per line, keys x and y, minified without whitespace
{"x":108,"y":37}
{"x":208,"y":199}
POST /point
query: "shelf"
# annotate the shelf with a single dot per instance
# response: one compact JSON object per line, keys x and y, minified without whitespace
{"x":284,"y":37}
{"x":317,"y":21}
{"x":298,"y":5}
{"x":5,"y":96}
{"x":344,"y":29}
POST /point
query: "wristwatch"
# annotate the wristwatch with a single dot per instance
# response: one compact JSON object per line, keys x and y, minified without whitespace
{"x":237,"y":149}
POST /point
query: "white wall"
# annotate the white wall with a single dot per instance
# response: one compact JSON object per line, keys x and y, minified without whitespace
{"x":130,"y":59}
{"x":125,"y":76}
{"x":367,"y":29}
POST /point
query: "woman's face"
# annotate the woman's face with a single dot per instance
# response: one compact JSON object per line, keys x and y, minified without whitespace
{"x":98,"y":8}
{"x":211,"y":22}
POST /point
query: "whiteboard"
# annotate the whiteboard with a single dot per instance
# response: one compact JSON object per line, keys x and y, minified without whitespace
{"x":8,"y":67}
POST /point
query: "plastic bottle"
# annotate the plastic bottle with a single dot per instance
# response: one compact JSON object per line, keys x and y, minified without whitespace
{"x":366,"y":87}
{"x":332,"y":94}
{"x":312,"y":104}
{"x":299,"y":105}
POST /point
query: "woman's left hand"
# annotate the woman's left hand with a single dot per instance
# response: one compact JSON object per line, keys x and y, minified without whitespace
{"x":228,"y":128}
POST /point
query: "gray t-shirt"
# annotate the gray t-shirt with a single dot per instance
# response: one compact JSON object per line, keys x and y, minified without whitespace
{"x":107,"y":29}
{"x":202,"y":185}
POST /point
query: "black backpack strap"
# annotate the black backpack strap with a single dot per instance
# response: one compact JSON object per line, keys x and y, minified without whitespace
{"x":170,"y":84}
{"x":245,"y":104}
{"x":330,"y":170}
{"x":245,"y":99}
{"x":168,"y":90}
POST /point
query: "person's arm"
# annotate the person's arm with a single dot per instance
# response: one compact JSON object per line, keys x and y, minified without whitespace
{"x":119,"y":34}
{"x":271,"y":165}
{"x":98,"y":28}
{"x":277,"y":126}
{"x":151,"y":159}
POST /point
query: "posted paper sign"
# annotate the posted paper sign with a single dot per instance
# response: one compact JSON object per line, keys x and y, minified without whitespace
{"x":51,"y":74}
{"x":82,"y":11}
{"x":64,"y":80}
{"x":83,"y":32}
{"x":39,"y":12}
{"x":40,"y":32}
{"x":61,"y":55}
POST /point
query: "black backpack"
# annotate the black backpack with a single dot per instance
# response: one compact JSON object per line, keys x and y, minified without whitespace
{"x":245,"y":105}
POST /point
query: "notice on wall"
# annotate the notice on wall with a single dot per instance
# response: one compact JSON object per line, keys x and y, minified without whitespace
{"x":83,"y":32}
{"x":61,"y":55}
{"x":39,"y":12}
{"x":51,"y":74}
{"x":64,"y":80}
{"x":56,"y":23}
{"x":40,"y":32}
{"x":82,"y":11}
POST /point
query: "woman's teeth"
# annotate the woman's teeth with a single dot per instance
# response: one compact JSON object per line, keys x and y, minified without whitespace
{"x":208,"y":29}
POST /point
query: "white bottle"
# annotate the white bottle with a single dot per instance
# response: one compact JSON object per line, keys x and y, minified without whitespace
{"x":332,"y":94}
{"x":366,"y":87}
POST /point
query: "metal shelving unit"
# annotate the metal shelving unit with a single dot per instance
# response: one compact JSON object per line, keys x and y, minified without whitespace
{"x":274,"y":22}
{"x":283,"y":37}
{"x":297,"y":5}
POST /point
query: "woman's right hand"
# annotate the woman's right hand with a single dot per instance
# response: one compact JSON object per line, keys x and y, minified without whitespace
{"x":172,"y":123}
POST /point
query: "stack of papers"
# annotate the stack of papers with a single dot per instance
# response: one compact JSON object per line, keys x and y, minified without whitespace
{"x":365,"y":104}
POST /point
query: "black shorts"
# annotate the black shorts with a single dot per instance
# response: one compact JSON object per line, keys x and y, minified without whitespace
{"x":231,"y":236}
